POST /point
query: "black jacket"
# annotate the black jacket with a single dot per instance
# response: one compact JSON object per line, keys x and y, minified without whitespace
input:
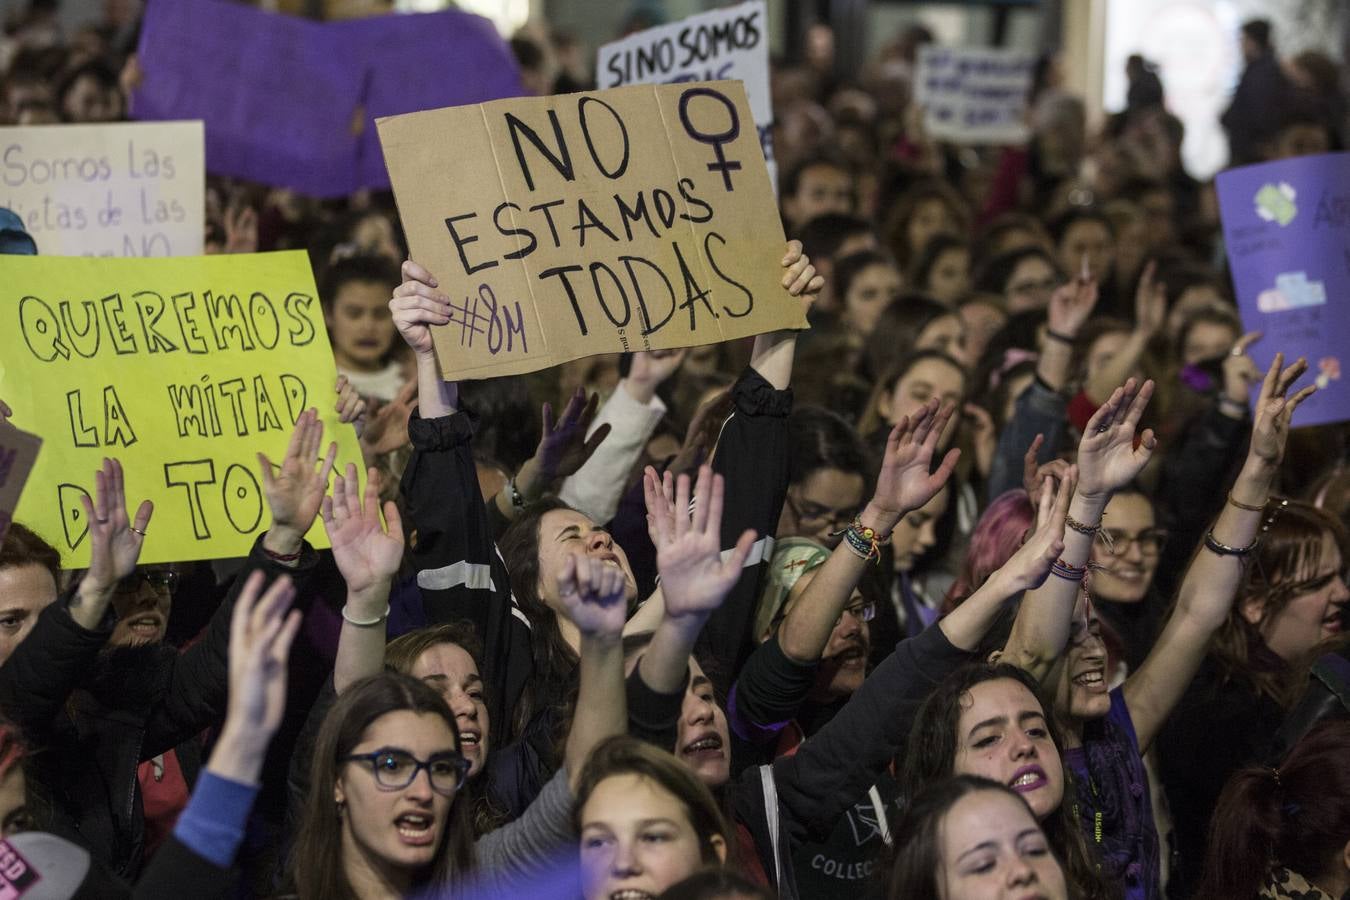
{"x":93,"y":717}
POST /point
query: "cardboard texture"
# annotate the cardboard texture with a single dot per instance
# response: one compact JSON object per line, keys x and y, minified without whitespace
{"x":184,"y":369}
{"x":18,"y":453}
{"x":124,"y":189}
{"x":561,"y":227}
{"x":731,"y":43}
{"x":1286,"y":228}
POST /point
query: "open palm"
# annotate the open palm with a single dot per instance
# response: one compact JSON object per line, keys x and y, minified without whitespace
{"x":115,"y":539}
{"x":904,"y":483}
{"x":295,"y":489}
{"x":694,"y":576}
{"x":1108,"y":455}
{"x":564,"y":447}
{"x":365,"y":552}
{"x":1030,"y":565}
{"x":1275,"y":410}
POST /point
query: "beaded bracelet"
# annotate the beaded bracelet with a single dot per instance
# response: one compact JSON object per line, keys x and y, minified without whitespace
{"x":1089,"y":530}
{"x":1069,"y":573}
{"x":863,"y":541}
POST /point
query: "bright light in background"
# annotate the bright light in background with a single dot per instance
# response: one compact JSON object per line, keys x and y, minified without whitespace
{"x":507,"y":15}
{"x":1194,"y":45}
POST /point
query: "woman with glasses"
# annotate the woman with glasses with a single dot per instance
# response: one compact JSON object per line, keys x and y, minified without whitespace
{"x":384,"y":817}
{"x":1123,"y":562}
{"x":1057,"y":636}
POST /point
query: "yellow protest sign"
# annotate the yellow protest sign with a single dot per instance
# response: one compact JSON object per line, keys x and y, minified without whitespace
{"x":560,"y":227}
{"x":183,"y":368}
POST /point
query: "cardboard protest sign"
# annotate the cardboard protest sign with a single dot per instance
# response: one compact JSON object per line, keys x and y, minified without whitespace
{"x":974,"y":95}
{"x":290,"y":102}
{"x":182,"y":368}
{"x":107,"y":190}
{"x":1286,"y":227}
{"x":18,"y":452}
{"x":561,"y":227}
{"x":731,"y":43}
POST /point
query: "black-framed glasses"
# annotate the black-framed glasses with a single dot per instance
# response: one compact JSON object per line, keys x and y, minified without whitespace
{"x":159,"y":580}
{"x":807,"y":511}
{"x":1150,"y":540}
{"x":395,"y":769}
{"x":863,"y":611}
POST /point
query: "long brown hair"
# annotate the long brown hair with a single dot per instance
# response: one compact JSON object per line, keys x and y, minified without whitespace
{"x":316,"y":862}
{"x":931,"y":753}
{"x":624,"y":755}
{"x":1289,"y":551}
{"x":1296,"y":817}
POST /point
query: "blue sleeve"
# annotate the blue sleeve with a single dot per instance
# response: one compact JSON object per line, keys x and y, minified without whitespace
{"x":213,"y":823}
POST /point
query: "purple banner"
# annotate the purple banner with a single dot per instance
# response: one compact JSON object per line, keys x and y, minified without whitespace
{"x":1286,"y":226}
{"x":291,"y":103}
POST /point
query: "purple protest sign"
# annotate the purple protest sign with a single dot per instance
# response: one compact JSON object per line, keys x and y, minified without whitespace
{"x":291,"y":103}
{"x":277,"y":94}
{"x":1286,"y":226}
{"x":425,"y":61}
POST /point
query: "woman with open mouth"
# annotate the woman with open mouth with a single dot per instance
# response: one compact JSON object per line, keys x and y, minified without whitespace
{"x":1057,"y":637}
{"x":384,"y":817}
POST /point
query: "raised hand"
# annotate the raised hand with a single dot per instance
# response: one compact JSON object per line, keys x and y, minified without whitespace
{"x":694,"y":576}
{"x":1275,"y":410}
{"x":1030,"y":565}
{"x":1034,"y":474}
{"x":904,"y":483}
{"x":261,"y":632}
{"x":1108,"y":458}
{"x":592,"y":596}
{"x":350,"y":407}
{"x":651,"y":368}
{"x":367,"y":554}
{"x":1150,"y":302}
{"x":564,"y":447}
{"x":387,"y":428}
{"x":295,"y":489}
{"x":115,"y":539}
{"x":416,"y":306}
{"x":241,"y":229}
{"x":1240,"y":372}
{"x":1071,"y":305}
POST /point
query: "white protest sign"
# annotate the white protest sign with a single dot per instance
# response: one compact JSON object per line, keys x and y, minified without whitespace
{"x":728,"y":44}
{"x":974,"y":95}
{"x":124,"y":189}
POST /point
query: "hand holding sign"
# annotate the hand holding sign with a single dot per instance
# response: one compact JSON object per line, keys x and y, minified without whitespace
{"x":115,"y":542}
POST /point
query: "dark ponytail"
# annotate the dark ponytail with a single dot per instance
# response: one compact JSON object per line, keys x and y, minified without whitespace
{"x":1296,"y":816}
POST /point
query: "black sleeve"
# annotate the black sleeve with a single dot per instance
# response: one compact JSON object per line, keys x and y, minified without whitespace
{"x":460,"y":573}
{"x":198,"y":679}
{"x":814,"y":788}
{"x":39,"y":676}
{"x":752,"y":454}
{"x":652,"y":717}
{"x":177,"y":871}
{"x":769,"y":691}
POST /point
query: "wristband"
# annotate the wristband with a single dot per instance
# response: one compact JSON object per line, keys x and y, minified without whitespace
{"x":1069,"y":573}
{"x":863,"y":541}
{"x":282,"y":557}
{"x":364,"y":623}
{"x":1213,"y":546}
{"x":1062,"y":338}
{"x":1089,"y":530}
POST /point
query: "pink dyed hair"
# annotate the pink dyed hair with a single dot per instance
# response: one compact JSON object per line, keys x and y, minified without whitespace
{"x":995,"y":539}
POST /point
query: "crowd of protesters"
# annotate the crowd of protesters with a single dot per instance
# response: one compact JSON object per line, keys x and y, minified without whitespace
{"x":995,"y":582}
